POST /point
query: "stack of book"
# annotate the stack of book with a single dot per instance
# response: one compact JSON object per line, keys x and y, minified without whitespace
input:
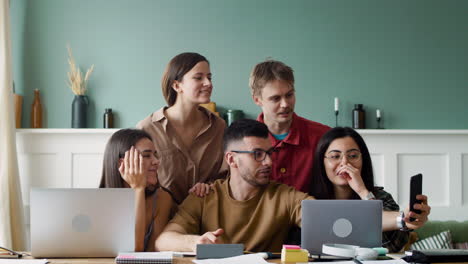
{"x":144,"y":258}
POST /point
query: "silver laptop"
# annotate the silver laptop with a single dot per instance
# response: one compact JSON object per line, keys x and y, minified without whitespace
{"x":353,"y":222}
{"x":82,"y":222}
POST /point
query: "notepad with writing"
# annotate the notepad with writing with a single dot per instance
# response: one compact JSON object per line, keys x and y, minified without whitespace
{"x":144,"y":258}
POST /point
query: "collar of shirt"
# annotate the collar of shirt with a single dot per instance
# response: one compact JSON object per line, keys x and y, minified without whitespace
{"x":160,"y":117}
{"x":294,"y":136}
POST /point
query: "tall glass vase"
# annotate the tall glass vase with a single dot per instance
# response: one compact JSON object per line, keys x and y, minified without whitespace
{"x":79,"y":111}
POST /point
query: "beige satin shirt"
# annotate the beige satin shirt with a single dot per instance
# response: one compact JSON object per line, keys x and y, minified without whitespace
{"x":180,"y":167}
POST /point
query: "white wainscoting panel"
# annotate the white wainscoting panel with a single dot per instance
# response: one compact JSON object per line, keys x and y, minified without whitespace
{"x":86,"y":169}
{"x":60,"y":158}
{"x":440,"y":155}
{"x":465,"y":179}
{"x":378,"y":165}
{"x":433,"y":167}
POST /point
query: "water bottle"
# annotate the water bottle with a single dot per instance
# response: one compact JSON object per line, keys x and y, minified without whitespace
{"x":108,"y":118}
{"x":359,"y":117}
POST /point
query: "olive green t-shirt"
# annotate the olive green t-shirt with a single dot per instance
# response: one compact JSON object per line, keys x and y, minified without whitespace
{"x":260,"y":223}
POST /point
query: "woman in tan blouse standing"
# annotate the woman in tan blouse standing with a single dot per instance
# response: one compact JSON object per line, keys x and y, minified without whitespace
{"x":188,"y":136}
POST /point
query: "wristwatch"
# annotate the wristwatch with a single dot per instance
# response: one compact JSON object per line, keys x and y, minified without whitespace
{"x":369,"y":196}
{"x":401,"y":224}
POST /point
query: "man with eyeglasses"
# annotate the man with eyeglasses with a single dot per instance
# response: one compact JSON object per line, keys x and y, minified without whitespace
{"x":245,"y":208}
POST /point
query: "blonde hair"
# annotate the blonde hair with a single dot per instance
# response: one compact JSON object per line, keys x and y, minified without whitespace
{"x":267,"y":71}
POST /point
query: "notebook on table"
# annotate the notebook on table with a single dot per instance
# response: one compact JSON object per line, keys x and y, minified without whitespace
{"x":437,"y":255}
{"x":352,"y":222}
{"x":144,"y":258}
{"x":82,"y":222}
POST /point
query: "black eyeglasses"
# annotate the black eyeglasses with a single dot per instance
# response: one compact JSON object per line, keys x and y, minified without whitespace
{"x":259,"y":154}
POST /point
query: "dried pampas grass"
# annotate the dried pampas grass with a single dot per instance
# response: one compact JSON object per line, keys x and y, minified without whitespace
{"x":76,"y":81}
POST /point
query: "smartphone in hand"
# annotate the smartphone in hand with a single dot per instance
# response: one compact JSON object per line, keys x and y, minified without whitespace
{"x":415,"y":189}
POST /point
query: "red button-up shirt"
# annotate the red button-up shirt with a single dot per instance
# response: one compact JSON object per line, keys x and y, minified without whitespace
{"x":292,"y":164}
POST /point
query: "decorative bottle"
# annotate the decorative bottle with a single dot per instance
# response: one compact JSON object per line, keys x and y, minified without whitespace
{"x":36,"y":111}
{"x":79,"y":111}
{"x":233,"y":115}
{"x":359,"y":117}
{"x":108,"y":118}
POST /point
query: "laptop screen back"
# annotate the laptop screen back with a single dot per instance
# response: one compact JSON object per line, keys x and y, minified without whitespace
{"x":82,"y":222}
{"x":353,"y":222}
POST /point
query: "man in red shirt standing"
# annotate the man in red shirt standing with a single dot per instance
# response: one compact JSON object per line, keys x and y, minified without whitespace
{"x":272,"y":86}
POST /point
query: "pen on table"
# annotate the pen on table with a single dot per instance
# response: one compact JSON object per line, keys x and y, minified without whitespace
{"x":357,"y":261}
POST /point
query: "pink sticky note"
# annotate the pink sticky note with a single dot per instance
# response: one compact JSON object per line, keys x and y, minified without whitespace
{"x":291,"y":247}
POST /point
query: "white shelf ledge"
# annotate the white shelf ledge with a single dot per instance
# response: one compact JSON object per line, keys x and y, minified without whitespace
{"x":66,"y":130}
{"x":413,"y":131}
{"x":361,"y":131}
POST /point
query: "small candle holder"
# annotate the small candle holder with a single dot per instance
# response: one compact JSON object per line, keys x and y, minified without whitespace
{"x":337,"y":103}
{"x":336,"y":117}
{"x":378,"y":123}
{"x":378,"y":116}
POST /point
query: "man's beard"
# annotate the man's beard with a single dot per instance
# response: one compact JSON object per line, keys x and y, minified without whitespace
{"x":251,"y":180}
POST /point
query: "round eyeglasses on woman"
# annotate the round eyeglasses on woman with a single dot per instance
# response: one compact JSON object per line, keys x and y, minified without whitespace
{"x":335,"y":156}
{"x":259,"y":154}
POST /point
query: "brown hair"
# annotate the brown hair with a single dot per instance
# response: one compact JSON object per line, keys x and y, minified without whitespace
{"x":118,"y":143}
{"x":175,"y":71}
{"x":267,"y":71}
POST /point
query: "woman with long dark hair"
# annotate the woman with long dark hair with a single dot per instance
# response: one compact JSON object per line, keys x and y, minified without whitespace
{"x":343,"y":170}
{"x":189,"y":136}
{"x":131,"y":161}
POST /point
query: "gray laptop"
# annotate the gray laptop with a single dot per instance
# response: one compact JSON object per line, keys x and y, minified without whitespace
{"x":353,"y":222}
{"x":82,"y":222}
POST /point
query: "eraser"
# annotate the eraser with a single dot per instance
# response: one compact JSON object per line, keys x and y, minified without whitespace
{"x":381,"y":250}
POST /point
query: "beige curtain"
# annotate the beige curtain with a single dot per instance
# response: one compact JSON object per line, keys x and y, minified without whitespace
{"x":11,"y":205}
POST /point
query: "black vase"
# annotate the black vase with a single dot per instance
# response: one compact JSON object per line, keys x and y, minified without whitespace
{"x":79,"y":111}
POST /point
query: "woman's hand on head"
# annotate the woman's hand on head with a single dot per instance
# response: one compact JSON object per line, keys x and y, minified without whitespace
{"x":354,"y":178}
{"x":131,"y":169}
{"x":200,"y":189}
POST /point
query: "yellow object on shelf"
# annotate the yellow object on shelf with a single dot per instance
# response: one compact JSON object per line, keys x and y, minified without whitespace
{"x":294,"y":255}
{"x":211,"y":106}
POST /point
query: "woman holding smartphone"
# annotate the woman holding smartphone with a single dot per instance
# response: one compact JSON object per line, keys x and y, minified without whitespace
{"x":343,"y":170}
{"x":188,"y":136}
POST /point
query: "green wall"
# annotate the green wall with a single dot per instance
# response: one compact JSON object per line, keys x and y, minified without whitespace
{"x":408,"y":58}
